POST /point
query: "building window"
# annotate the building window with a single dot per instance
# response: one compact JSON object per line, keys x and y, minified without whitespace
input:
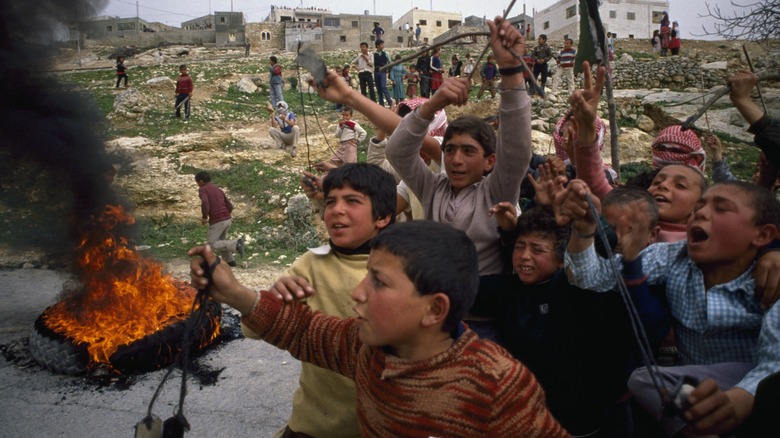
{"x":125,"y":26}
{"x":222,"y":19}
{"x":401,"y":40}
{"x":265,"y":36}
{"x":657,"y":15}
{"x":546,"y":25}
{"x":571,"y":11}
{"x":232,"y":37}
{"x":438,"y":23}
{"x":355,"y":24}
{"x":332,"y":22}
{"x":109,"y":28}
{"x":372,"y":38}
{"x":423,"y":22}
{"x":343,"y":38}
{"x":630,"y":16}
{"x":612,"y":14}
{"x":631,"y":36}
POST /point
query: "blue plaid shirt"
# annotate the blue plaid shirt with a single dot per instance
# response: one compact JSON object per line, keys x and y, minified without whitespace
{"x":722,"y":324}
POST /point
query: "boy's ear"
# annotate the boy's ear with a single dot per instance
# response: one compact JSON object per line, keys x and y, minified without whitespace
{"x":490,"y":161}
{"x":766,"y":234}
{"x":438,"y":309}
{"x":382,"y":223}
{"x":653,"y":235}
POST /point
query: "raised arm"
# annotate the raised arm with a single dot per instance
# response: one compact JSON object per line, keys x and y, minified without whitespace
{"x":587,"y":158}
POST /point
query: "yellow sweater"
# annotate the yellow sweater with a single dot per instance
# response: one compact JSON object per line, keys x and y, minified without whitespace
{"x":324,"y":403}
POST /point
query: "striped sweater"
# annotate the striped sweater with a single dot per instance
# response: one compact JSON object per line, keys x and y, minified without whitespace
{"x":567,"y":58}
{"x":474,"y":388}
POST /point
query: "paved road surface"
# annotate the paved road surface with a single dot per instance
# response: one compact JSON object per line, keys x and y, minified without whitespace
{"x":251,"y":397}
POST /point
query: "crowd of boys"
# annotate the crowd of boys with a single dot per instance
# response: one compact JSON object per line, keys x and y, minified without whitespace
{"x":477,"y":320}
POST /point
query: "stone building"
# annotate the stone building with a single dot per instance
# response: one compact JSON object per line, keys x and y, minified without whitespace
{"x":323,"y":30}
{"x":432,"y":23}
{"x":101,"y":27}
{"x":626,"y":18}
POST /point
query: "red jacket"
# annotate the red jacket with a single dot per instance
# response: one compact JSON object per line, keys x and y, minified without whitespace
{"x":184,"y":85}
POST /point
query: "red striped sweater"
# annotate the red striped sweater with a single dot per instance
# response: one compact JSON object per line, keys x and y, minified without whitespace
{"x":475,"y":388}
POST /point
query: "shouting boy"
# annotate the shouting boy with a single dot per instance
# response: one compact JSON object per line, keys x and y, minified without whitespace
{"x":418,"y":370}
{"x":726,"y":339}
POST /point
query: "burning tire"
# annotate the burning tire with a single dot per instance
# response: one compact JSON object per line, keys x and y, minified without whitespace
{"x":157,"y":350}
{"x":53,"y":352}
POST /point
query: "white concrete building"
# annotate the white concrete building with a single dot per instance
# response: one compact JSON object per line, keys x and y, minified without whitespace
{"x":432,"y":23}
{"x":626,"y":18}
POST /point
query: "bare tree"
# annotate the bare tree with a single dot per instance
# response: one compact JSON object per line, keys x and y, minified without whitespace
{"x":759,"y":21}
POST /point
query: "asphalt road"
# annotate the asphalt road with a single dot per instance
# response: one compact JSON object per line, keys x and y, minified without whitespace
{"x":251,"y":396}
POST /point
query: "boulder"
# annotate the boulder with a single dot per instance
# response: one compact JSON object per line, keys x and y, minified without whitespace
{"x":245,"y":85}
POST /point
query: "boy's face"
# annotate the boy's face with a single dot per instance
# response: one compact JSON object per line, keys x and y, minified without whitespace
{"x":349,"y":217}
{"x":380,"y":46}
{"x":465,"y":161}
{"x":534,"y":258}
{"x":540,"y":41}
{"x":676,"y":189}
{"x":183,"y":70}
{"x":363,"y":48}
{"x":567,"y":44}
{"x":389,"y":308}
{"x":346,"y":115}
{"x":630,"y":220}
{"x":721,"y":228}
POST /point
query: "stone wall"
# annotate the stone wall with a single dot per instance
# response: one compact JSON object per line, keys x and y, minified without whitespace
{"x":668,"y":72}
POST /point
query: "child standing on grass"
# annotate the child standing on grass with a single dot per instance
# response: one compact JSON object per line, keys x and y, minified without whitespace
{"x":412,"y":79}
{"x":397,"y":75}
{"x":350,"y":134}
{"x":120,"y":71}
{"x":276,"y":80}
{"x":418,"y":370}
{"x":184,"y":89}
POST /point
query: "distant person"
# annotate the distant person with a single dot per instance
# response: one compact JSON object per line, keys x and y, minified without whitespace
{"x":378,"y":31}
{"x":184,"y":89}
{"x":397,"y":75}
{"x":489,"y":76}
{"x":364,"y":63}
{"x":611,"y":45}
{"x":121,"y":71}
{"x":417,"y":33}
{"x":542,"y":54}
{"x":350,"y":134}
{"x":666,"y":33}
{"x":565,"y":71}
{"x":656,"y":41}
{"x":674,"y":40}
{"x":284,"y":129}
{"x":424,"y":68}
{"x":437,"y":68}
{"x":412,"y":79}
{"x":276,"y":80}
{"x":216,"y":209}
{"x":455,"y":66}
{"x":381,"y":59}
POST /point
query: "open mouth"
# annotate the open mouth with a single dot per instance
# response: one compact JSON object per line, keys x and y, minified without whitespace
{"x":696,"y":235}
{"x":661,"y":199}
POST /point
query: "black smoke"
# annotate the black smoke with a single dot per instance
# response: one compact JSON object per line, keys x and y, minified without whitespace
{"x":51,"y":154}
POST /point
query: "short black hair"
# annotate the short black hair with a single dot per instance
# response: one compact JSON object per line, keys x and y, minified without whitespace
{"x":273,"y":59}
{"x":543,"y":37}
{"x":378,"y":42}
{"x":364,"y":44}
{"x":766,"y":207}
{"x":436,"y":258}
{"x":203,"y":176}
{"x":622,"y":195}
{"x":541,"y":219}
{"x":476,"y":128}
{"x":368,"y":179}
{"x":569,"y":40}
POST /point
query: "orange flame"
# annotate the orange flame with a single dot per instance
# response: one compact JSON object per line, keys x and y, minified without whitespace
{"x":125,"y":296}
